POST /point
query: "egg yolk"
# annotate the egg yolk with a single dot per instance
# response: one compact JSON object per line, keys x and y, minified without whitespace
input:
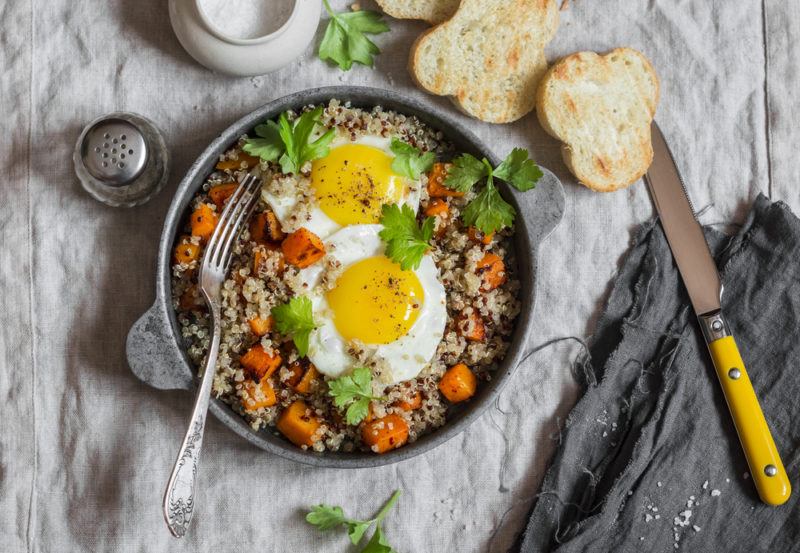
{"x":353,"y":182}
{"x":375,"y":301}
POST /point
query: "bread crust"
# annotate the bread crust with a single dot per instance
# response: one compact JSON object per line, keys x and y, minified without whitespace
{"x":601,"y":108}
{"x":432,"y":11}
{"x":492,"y":76}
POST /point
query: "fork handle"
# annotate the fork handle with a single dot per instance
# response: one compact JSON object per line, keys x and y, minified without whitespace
{"x":179,"y":499}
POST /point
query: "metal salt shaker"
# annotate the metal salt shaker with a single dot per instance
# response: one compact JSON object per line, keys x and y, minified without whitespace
{"x":121,"y":159}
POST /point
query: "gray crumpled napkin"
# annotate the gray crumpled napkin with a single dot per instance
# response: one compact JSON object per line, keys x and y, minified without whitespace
{"x":649,"y":459}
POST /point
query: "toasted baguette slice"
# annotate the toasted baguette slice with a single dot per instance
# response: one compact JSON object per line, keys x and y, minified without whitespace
{"x":489,"y":56}
{"x":601,"y":108}
{"x":432,"y":11}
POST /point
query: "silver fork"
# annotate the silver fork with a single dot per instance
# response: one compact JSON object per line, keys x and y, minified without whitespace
{"x":179,"y":500}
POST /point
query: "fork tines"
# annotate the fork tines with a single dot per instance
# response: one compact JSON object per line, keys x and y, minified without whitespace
{"x":237,"y":209}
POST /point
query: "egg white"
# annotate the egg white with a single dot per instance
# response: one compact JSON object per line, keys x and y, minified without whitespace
{"x":407,"y":355}
{"x":318,"y":222}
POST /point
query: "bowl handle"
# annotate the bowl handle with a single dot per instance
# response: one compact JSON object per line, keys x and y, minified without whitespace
{"x":542,"y":207}
{"x":153,"y":355}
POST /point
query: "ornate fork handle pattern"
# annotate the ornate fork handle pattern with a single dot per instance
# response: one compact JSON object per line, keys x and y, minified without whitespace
{"x":179,"y":498}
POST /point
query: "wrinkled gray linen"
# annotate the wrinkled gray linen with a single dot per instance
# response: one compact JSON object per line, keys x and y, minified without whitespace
{"x":86,"y":449}
{"x":653,"y":429}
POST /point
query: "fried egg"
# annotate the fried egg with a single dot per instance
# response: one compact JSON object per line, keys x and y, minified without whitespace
{"x":401,"y":314}
{"x":350,"y":185}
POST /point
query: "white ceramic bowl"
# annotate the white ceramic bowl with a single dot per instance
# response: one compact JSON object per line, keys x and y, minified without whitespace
{"x":243,"y":57}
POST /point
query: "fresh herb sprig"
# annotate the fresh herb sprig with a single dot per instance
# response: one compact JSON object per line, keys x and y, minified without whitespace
{"x":289,"y":143}
{"x":410,"y":161}
{"x":353,"y":391}
{"x":295,"y":319}
{"x":325,"y":517}
{"x":345,"y":40}
{"x":488,"y":211}
{"x":406,"y":241}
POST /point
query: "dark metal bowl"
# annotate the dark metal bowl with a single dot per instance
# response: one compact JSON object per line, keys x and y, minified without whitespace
{"x":154,"y":347}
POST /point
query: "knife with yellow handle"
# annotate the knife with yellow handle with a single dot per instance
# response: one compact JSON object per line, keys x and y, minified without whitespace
{"x":699,"y":274}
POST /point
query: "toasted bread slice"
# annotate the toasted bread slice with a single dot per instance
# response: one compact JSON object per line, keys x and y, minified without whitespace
{"x":601,"y":108}
{"x":489,"y":56}
{"x":432,"y":11}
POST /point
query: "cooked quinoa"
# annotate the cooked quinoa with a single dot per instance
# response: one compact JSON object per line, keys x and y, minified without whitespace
{"x":251,"y":292}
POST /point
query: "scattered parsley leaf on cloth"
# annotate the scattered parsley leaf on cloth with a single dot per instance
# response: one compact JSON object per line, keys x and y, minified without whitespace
{"x":353,"y":391}
{"x":406,"y":241}
{"x":345,"y":40}
{"x":325,"y":517}
{"x":295,"y":319}
{"x":409,"y":161}
{"x":289,"y":143}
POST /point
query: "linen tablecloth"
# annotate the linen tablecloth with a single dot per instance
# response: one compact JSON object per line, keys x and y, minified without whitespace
{"x":86,"y":449}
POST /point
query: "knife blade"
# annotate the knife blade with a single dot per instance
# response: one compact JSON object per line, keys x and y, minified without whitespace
{"x":699,"y":274}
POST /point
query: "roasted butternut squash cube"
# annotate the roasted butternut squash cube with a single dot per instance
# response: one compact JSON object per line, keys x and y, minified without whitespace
{"x":203,"y":222}
{"x":303,"y":248}
{"x":458,"y":383}
{"x":492,"y":271}
{"x":298,"y":424}
{"x":385,"y":433}
{"x":260,"y":363}
{"x":255,"y":396}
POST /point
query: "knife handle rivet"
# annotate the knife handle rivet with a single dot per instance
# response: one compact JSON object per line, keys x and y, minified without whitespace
{"x":734,"y":373}
{"x":770,"y":470}
{"x":716,"y":326}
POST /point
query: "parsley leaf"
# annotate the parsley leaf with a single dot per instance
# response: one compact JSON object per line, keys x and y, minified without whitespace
{"x":488,"y":211}
{"x":406,"y":242}
{"x":288,"y":143}
{"x":466,"y":171}
{"x":518,"y":170}
{"x":296,"y":319}
{"x":296,"y":138}
{"x":409,"y":161}
{"x":353,"y":391}
{"x":378,"y":543}
{"x":268,"y":146}
{"x":345,"y":39}
{"x":325,"y":517}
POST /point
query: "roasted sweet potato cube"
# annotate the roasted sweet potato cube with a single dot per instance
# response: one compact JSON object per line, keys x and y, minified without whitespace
{"x":236,"y":164}
{"x":308,"y":381}
{"x":255,"y":396}
{"x":436,"y":178}
{"x":219,"y":194}
{"x":265,"y":228}
{"x":385,"y":433}
{"x":471,"y":327}
{"x":298,"y":424}
{"x":260,"y":363}
{"x":303,"y":248}
{"x":492,"y":271}
{"x":203,"y":222}
{"x":261,"y":326}
{"x":458,"y":383}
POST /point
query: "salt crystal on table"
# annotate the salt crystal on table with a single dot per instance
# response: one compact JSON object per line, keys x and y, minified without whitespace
{"x":705,"y":485}
{"x":696,"y":528}
{"x":715,"y":493}
{"x":658,"y":484}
